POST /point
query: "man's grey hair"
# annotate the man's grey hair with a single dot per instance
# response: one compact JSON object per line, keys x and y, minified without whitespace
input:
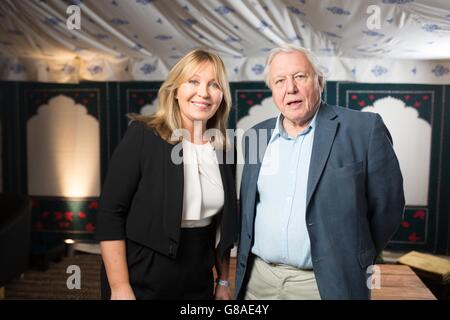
{"x":292,"y":48}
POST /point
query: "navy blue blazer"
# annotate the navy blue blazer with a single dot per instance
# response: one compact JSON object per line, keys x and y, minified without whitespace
{"x":355,"y":200}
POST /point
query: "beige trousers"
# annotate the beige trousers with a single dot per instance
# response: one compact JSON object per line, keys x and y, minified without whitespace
{"x":280,"y":282}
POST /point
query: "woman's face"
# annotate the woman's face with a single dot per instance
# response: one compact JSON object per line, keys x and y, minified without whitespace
{"x":200,"y":96}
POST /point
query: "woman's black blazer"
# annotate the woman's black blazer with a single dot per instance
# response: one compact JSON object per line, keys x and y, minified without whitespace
{"x":142,"y":196}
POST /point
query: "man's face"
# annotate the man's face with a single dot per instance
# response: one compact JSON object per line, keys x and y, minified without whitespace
{"x":295,"y":86}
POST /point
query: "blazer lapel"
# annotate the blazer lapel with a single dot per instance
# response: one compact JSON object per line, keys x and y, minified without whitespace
{"x":253,"y":169}
{"x":223,"y":174}
{"x":323,"y":140}
{"x":261,"y":149}
{"x":173,"y":193}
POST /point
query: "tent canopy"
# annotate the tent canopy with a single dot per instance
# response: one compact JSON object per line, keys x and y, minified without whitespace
{"x":121,"y":40}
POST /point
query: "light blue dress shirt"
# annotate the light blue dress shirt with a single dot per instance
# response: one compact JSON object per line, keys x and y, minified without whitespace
{"x":281,"y":235}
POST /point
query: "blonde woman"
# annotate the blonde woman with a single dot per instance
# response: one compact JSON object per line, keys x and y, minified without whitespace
{"x":159,"y":218}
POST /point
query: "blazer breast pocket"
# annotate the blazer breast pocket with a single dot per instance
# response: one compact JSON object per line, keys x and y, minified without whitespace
{"x":349,"y":169}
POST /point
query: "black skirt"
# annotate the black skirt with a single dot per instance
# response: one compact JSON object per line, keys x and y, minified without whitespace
{"x":155,"y":276}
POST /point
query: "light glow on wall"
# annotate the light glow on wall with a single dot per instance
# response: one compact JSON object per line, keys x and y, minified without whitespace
{"x":63,"y":150}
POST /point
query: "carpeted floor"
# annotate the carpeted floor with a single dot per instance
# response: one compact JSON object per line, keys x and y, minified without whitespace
{"x":52,"y":284}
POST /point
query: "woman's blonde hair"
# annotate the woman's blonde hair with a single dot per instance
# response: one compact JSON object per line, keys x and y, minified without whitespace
{"x":167,"y":118}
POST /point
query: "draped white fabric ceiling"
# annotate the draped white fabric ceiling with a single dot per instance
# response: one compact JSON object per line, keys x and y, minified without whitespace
{"x":403,"y":41}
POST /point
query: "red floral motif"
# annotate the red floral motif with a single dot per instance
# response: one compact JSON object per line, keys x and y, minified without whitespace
{"x":417,"y":104}
{"x":406,"y":224}
{"x":425,"y":98}
{"x":371,"y":97}
{"x":141,"y":102}
{"x":413,"y":237}
{"x":259,"y":95}
{"x":419,"y":214}
{"x":85,"y":101}
{"x":82,"y":215}
{"x":93,"y":205}
{"x":58,"y":215}
{"x":149,"y":94}
{"x":407,"y":97}
{"x":242,"y":96}
{"x":361,"y":103}
{"x":92,"y":95}
{"x":90,"y":227}
{"x":250,"y":102}
{"x":45,"y":214}
{"x":68,"y":215}
{"x":354,"y":97}
{"x":64,"y":224}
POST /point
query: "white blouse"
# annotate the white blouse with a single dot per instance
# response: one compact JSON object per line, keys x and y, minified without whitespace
{"x":203,"y":195}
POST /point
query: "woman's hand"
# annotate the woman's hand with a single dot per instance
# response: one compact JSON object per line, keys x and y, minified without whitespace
{"x":122,"y":293}
{"x":114,"y":258}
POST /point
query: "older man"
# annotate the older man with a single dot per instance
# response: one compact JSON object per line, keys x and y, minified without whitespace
{"x":324,"y":199}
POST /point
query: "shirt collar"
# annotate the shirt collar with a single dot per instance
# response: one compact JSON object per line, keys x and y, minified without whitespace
{"x":279,"y":130}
